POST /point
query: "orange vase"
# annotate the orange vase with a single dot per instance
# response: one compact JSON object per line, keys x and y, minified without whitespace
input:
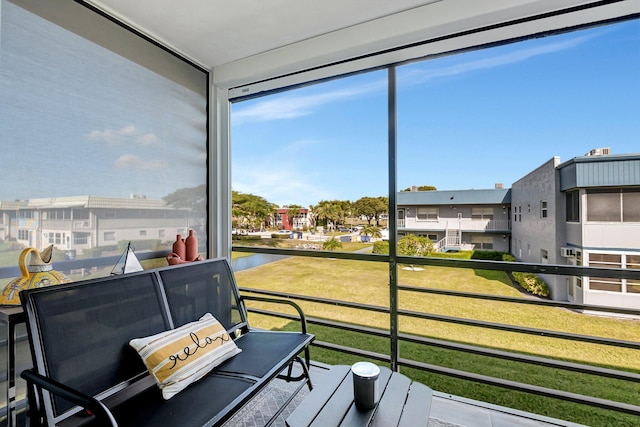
{"x":191,"y":242}
{"x":180,"y":247}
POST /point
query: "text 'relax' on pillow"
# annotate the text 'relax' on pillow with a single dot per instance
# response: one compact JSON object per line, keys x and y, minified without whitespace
{"x":181,"y":356}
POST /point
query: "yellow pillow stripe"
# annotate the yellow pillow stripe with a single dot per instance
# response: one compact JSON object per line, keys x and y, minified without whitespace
{"x":178,"y":357}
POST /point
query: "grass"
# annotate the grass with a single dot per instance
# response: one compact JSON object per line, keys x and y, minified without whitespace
{"x":367,"y":282}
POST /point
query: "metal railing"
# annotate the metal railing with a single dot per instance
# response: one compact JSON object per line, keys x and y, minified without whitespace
{"x":546,"y":362}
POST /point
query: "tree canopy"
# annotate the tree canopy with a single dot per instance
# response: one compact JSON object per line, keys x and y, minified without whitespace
{"x":250,"y":210}
{"x":371,"y":207}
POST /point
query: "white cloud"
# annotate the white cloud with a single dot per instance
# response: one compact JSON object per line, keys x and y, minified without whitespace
{"x":292,"y":106}
{"x":288,"y":184}
{"x":130,"y":161}
{"x":148,"y":139}
{"x":416,"y":76}
{"x":126,"y":133}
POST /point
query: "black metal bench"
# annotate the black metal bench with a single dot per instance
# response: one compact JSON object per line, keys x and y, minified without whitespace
{"x":86,"y":373}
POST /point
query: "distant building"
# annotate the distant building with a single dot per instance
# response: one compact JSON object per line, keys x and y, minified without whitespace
{"x":585,"y":211}
{"x":457,"y":220}
{"x":300,"y":221}
{"x":83,"y":222}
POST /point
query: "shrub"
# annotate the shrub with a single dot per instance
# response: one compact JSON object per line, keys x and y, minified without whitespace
{"x":532,"y":283}
{"x":246,"y":237}
{"x":279,"y":236}
{"x":381,"y":247}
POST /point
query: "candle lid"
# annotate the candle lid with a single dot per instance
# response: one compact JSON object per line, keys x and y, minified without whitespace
{"x":365,"y":369}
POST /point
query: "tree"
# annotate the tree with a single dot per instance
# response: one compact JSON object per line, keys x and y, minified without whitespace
{"x":329,"y":211}
{"x":250,"y":210}
{"x":193,"y":199}
{"x":371,"y":208}
{"x":332,"y":244}
{"x":421,"y":188}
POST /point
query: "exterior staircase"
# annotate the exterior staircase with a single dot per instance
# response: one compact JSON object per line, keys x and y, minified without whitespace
{"x":452,"y":241}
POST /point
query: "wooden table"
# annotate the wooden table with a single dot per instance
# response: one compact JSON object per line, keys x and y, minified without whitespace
{"x":402,"y":402}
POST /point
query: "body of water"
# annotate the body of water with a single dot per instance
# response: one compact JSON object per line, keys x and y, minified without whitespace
{"x":255,"y":260}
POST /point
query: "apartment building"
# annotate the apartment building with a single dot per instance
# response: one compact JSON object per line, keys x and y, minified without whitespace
{"x":585,"y":211}
{"x":458,"y":220}
{"x":82,"y":222}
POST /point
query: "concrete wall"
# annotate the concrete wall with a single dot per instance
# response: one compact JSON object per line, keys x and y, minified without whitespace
{"x":533,"y":233}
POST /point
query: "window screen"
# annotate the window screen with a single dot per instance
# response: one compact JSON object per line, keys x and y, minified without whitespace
{"x":114,"y":125}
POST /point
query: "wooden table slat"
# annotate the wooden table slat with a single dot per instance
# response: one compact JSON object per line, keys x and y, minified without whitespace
{"x":322,"y":392}
{"x":392,"y":401}
{"x":356,"y":417}
{"x":417,"y":407}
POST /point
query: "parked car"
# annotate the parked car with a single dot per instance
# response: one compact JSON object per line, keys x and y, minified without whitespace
{"x":283,"y":232}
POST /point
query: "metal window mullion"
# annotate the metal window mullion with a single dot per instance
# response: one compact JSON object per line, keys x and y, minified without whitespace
{"x":393,"y":222}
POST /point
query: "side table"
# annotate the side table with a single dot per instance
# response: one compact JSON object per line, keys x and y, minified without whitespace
{"x":402,"y":402}
{"x":11,"y":316}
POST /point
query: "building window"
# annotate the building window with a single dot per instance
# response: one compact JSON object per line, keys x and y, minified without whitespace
{"x":80,"y":238}
{"x":109,"y":235}
{"x":604,"y":205}
{"x":605,"y":283}
{"x":482,"y":242}
{"x":631,"y":205}
{"x":143,"y":233}
{"x":161,"y":233}
{"x":482,"y":213}
{"x":543,"y":209}
{"x":427,"y":214}
{"x":573,"y":206}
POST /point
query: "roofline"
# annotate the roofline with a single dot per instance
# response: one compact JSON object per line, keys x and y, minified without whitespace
{"x":602,"y":158}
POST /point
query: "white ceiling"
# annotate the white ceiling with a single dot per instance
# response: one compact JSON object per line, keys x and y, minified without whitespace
{"x":216,"y":32}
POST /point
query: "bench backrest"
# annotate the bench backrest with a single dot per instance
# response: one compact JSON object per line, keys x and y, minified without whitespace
{"x":79,"y":332}
{"x":203,"y":287}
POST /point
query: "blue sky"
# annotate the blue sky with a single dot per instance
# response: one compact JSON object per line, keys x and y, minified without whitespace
{"x":77,"y":119}
{"x":464,"y":121}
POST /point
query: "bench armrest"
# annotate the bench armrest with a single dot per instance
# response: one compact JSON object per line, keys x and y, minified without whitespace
{"x":303,"y":319}
{"x":91,"y":404}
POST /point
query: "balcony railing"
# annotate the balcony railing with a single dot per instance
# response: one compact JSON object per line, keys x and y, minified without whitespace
{"x":396,"y":338}
{"x":464,"y":224}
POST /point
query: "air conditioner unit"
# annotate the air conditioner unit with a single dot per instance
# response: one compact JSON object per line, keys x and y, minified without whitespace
{"x":604,"y":151}
{"x":567,"y":252}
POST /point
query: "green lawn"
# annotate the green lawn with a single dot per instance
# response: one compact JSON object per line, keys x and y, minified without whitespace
{"x":367,"y":282}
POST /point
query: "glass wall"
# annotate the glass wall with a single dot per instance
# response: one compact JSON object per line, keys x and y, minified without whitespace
{"x":104,"y":138}
{"x":310,"y":166}
{"x":482,"y":137}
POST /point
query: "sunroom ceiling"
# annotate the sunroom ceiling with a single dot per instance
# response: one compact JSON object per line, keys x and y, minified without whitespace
{"x":216,"y":32}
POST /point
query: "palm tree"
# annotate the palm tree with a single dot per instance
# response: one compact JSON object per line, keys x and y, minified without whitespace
{"x":327,"y":211}
{"x":372,"y":231}
{"x":332,"y":244}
